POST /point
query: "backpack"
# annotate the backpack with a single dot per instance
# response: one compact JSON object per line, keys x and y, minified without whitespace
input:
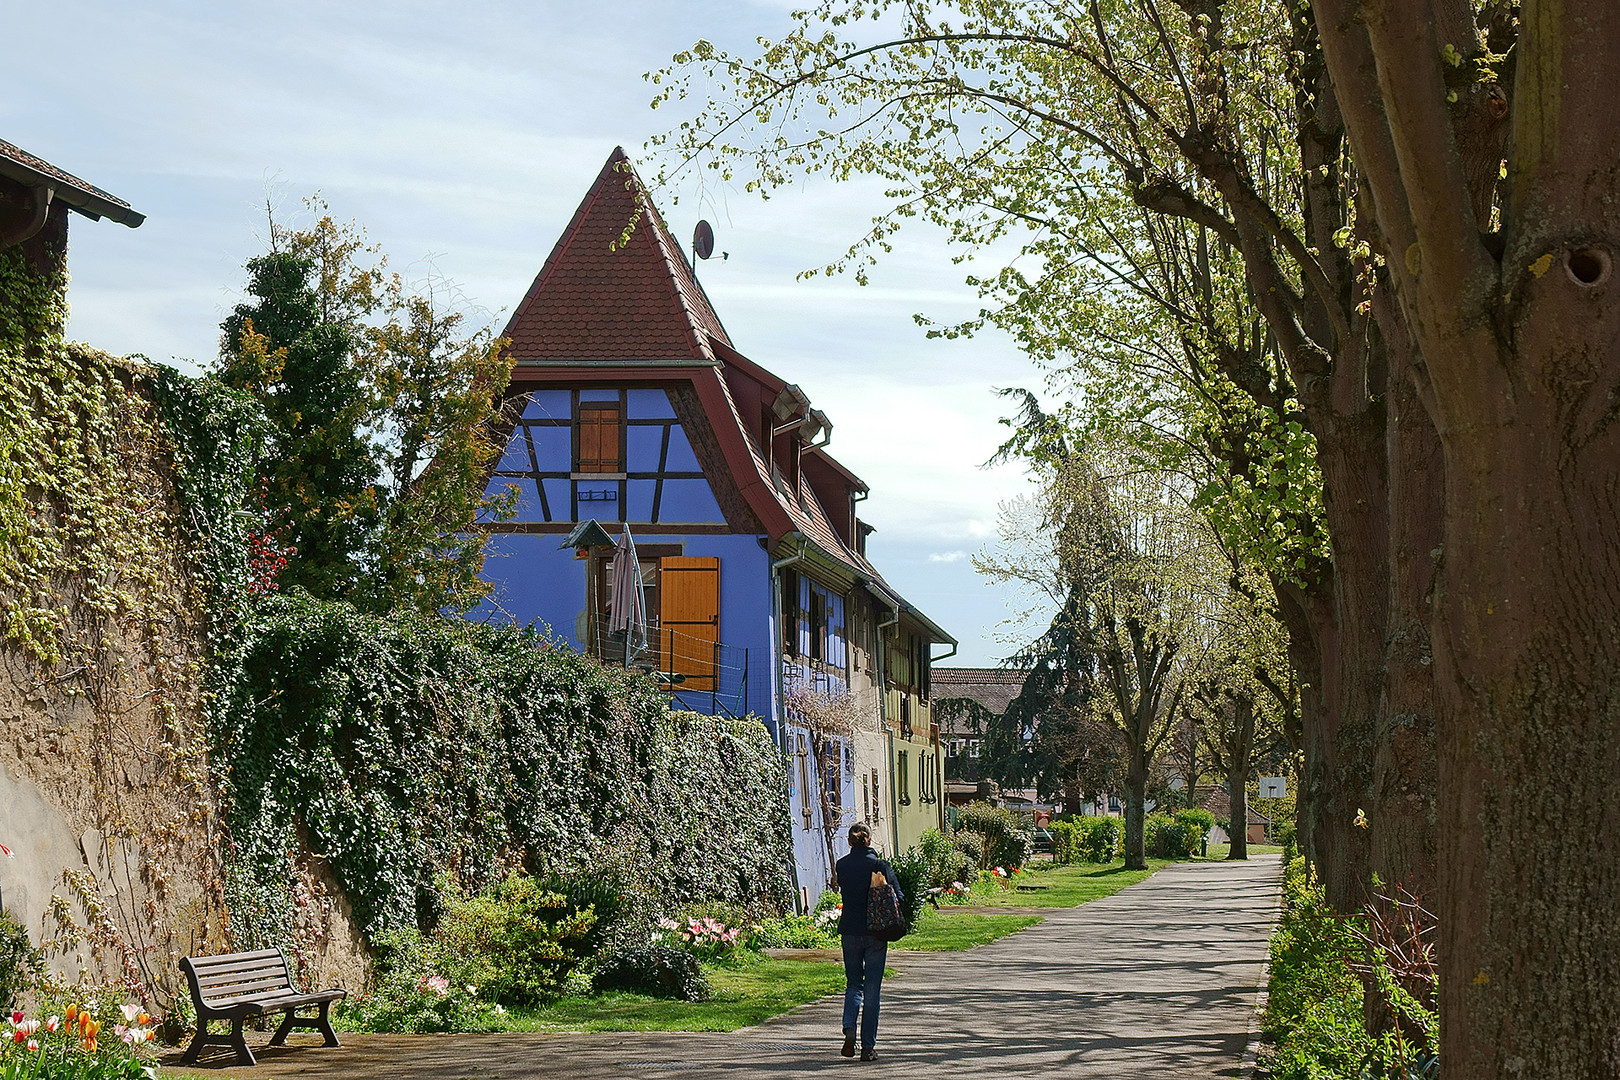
{"x":884,"y":920}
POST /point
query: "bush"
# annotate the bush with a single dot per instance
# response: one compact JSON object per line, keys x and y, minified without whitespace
{"x":1314,"y":1013}
{"x":829,"y":899}
{"x":1006,"y":843}
{"x":1166,"y":838}
{"x":972,"y":845}
{"x":1197,"y":822}
{"x":412,"y":995}
{"x":911,"y":871}
{"x":517,"y":940}
{"x":657,"y":970}
{"x":19,"y":961}
{"x":947,"y":862}
{"x":1101,"y":838}
{"x":1286,"y":833}
{"x":797,"y":932}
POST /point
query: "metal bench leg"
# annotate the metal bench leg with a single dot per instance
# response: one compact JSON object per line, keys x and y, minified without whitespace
{"x":280,"y":1037}
{"x":197,"y":1042}
{"x":244,"y":1056}
{"x":324,"y":1026}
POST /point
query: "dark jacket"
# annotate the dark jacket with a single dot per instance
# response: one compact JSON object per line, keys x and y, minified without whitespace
{"x":854,"y":875}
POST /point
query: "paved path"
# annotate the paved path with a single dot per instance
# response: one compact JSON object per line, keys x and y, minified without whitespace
{"x":1158,"y":980}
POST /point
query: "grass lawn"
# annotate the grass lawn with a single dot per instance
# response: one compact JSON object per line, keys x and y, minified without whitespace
{"x":743,"y":996}
{"x":1069,"y":885}
{"x":949,"y":931}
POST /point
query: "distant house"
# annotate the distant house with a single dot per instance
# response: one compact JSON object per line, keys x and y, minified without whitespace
{"x":35,"y":197}
{"x":967,"y":701}
{"x":631,"y":404}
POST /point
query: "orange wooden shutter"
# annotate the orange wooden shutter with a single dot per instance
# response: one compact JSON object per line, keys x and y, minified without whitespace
{"x":689,"y":618}
{"x":599,"y":438}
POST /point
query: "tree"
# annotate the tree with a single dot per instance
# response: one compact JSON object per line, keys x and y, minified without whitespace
{"x":1485,"y":135}
{"x":382,"y":411}
{"x":1135,"y":562}
{"x":1062,"y":121}
{"x":1234,"y":713}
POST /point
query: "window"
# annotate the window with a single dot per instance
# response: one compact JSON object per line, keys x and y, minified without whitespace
{"x":802,"y":746}
{"x":902,"y":778}
{"x":790,"y":613}
{"x":600,"y":427}
{"x":866,"y":799}
{"x":877,"y":801}
{"x":922,"y":778}
{"x":818,"y":624}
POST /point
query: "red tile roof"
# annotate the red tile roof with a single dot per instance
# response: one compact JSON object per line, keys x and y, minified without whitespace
{"x":597,"y":299}
{"x":19,"y":165}
{"x":993,"y":688}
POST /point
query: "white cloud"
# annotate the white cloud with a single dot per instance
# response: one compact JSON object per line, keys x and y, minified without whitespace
{"x":947,"y":556}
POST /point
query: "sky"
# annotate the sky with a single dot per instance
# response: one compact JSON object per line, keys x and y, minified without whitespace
{"x":463,"y":136}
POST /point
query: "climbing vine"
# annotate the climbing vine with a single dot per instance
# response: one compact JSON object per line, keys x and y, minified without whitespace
{"x":399,"y":746}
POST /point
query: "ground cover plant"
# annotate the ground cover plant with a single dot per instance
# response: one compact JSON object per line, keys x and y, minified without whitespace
{"x":1321,"y":963}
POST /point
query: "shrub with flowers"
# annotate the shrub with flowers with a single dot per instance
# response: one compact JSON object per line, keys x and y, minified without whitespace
{"x":70,"y":1045}
{"x":706,"y":938}
{"x":411,"y":995}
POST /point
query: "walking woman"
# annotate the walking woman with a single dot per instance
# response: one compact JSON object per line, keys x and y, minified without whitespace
{"x":864,"y":955}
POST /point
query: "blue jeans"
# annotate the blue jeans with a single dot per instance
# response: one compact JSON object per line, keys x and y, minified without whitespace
{"x":864,"y":957}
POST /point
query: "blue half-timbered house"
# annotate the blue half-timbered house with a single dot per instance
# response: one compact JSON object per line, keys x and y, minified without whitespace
{"x":629,"y":404}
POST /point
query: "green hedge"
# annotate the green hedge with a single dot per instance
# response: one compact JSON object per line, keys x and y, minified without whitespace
{"x":1002,"y":839}
{"x":402,"y":746}
{"x":1086,"y":839}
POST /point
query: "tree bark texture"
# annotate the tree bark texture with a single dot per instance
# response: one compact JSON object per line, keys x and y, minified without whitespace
{"x":1521,"y":353}
{"x":1239,"y":751}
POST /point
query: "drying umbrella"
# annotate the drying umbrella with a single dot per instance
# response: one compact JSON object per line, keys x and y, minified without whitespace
{"x":627,"y":612}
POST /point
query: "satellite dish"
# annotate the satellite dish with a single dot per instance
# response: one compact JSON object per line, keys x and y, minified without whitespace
{"x":703,"y":240}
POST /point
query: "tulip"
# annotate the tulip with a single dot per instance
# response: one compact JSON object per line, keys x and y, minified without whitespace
{"x":72,"y":1013}
{"x":52,"y":1023}
{"x":33,"y":1046}
{"x":16,"y":1018}
{"x":131,"y":1012}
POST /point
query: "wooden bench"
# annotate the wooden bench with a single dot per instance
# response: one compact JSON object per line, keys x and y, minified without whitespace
{"x":240,"y":986}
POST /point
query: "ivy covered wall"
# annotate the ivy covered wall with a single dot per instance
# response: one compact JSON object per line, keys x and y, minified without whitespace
{"x":400,"y":747}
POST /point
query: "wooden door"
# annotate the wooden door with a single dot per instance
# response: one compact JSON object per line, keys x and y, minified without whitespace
{"x":689,"y":618}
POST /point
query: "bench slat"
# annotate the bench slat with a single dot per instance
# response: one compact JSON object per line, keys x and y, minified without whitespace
{"x":222,"y":960}
{"x":258,"y":987}
{"x":224,"y":978}
{"x":271,"y":961}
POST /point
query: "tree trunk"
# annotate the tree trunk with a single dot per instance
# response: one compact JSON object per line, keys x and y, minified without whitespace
{"x":1136,"y":774}
{"x":1522,"y":354}
{"x":1406,"y":774}
{"x":1239,"y":753}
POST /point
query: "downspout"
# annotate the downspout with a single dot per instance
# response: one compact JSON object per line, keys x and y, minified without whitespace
{"x":883,"y":715}
{"x":939,"y":801}
{"x":777,"y":681}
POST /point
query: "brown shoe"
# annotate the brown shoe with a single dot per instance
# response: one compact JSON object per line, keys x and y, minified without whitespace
{"x":868,"y":1054}
{"x":849,"y":1046}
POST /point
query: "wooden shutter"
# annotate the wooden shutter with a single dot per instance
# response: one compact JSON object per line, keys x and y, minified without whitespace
{"x":689,"y":618}
{"x":598,"y":438}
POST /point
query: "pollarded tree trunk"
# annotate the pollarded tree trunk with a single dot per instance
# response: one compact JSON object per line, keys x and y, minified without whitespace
{"x":1406,"y":771}
{"x":1520,"y":338}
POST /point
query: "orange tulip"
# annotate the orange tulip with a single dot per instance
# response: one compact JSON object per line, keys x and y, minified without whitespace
{"x":72,"y":1013}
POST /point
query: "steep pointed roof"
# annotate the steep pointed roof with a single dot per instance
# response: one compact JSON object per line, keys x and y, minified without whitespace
{"x":597,"y":301}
